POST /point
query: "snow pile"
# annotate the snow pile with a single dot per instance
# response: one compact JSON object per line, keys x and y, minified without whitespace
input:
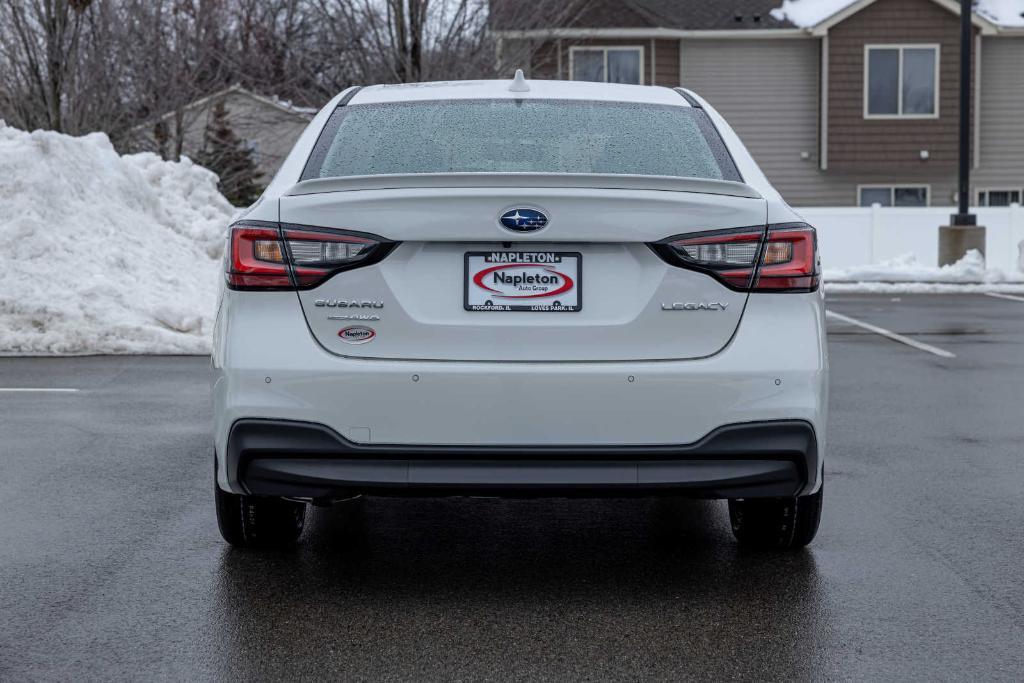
{"x":806,"y":13}
{"x":921,"y":288}
{"x":906,"y":268}
{"x":906,"y":274}
{"x":101,"y":253}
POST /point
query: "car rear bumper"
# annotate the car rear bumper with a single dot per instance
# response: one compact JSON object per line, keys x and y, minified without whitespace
{"x":267,"y":366}
{"x":307,"y":460}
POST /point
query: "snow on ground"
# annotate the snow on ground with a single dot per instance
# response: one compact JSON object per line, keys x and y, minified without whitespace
{"x":921,"y":288}
{"x":906,"y":274}
{"x":906,"y":268}
{"x":806,"y":13}
{"x":102,"y":253}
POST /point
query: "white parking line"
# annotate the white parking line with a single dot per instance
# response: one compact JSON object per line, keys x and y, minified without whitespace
{"x":888,"y":334}
{"x":54,"y":390}
{"x":1011,"y":297}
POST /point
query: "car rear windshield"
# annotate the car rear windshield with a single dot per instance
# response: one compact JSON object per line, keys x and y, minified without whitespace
{"x":520,"y":136}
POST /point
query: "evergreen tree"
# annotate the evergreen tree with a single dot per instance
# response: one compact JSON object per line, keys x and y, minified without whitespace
{"x":227,"y":155}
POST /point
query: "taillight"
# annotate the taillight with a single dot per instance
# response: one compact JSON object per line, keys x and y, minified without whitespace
{"x":316,"y":254}
{"x":256,"y":260}
{"x":781,"y":258}
{"x":729,"y":255}
{"x":296,"y":256}
{"x":790,"y":260}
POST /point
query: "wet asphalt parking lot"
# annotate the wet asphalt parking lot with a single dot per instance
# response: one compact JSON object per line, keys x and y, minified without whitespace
{"x":111,"y":566}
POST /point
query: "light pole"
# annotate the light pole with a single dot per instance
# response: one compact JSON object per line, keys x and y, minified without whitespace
{"x":963,"y":232}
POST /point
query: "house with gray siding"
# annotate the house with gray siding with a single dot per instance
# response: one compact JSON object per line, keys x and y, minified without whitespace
{"x":267,"y":125}
{"x":853,"y":107}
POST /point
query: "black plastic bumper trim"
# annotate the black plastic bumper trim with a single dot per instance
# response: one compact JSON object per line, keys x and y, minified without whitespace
{"x":308,"y":460}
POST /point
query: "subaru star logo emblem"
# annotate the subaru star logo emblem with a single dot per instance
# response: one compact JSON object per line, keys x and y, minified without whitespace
{"x":523,"y":220}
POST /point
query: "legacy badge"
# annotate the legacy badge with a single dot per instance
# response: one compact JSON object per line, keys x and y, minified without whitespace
{"x":695,"y":306}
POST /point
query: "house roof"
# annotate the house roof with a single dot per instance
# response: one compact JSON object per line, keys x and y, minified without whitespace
{"x":733,"y":16}
{"x":304,"y":113}
{"x":272,"y":101}
{"x":694,"y":15}
{"x":820,"y":14}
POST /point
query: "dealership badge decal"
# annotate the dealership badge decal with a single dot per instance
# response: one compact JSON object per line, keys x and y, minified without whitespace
{"x":516,"y":281}
{"x":356,"y":334}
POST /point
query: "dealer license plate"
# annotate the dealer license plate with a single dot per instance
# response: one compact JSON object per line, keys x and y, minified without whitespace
{"x":523,"y":281}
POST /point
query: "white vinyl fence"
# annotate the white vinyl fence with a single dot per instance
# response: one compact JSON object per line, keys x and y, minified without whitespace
{"x":855,"y":236}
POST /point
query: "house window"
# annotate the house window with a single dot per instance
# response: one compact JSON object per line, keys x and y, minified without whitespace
{"x":607,"y":64}
{"x":998,"y":197}
{"x":901,"y":81}
{"x":893,"y":195}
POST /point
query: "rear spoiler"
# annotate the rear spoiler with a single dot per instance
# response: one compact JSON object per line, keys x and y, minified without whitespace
{"x":519,"y":180}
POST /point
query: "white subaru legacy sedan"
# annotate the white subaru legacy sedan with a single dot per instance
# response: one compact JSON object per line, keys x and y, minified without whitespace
{"x":520,"y":288}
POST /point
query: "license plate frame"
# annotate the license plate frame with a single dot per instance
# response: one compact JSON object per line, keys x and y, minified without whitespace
{"x":510,"y":259}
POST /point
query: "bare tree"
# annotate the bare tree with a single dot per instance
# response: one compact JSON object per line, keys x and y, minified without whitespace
{"x":39,"y":47}
{"x":81,"y":65}
{"x":270,"y":51}
{"x":175,"y":54}
{"x":113,"y":65}
{"x":407,"y":41}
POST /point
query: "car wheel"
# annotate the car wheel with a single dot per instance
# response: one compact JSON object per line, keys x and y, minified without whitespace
{"x":776,"y":523}
{"x":258,"y":521}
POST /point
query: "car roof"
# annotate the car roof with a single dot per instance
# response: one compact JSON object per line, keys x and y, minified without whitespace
{"x":499,"y":89}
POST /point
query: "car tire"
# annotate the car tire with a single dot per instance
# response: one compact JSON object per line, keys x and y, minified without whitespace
{"x":259,"y":521}
{"x":776,"y":523}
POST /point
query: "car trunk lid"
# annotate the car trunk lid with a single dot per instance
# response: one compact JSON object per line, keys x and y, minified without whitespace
{"x":423,"y":300}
